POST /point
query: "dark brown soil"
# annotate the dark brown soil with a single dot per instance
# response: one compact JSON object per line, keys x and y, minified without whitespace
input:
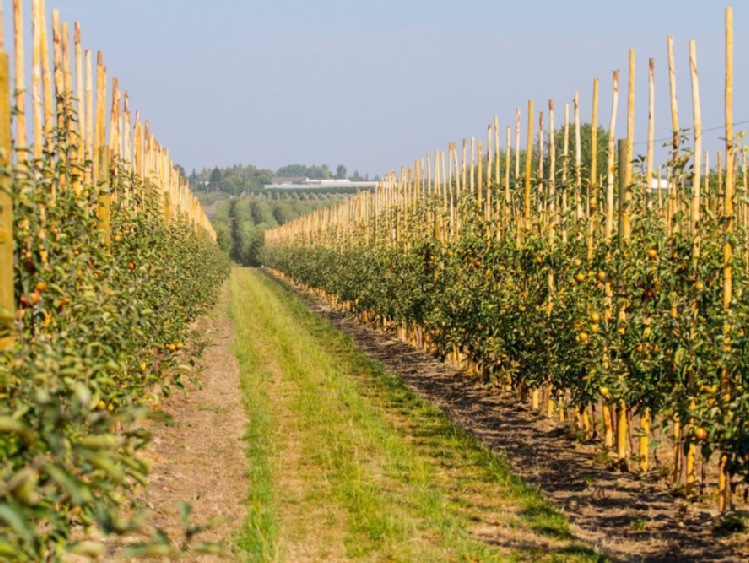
{"x":626,"y":516}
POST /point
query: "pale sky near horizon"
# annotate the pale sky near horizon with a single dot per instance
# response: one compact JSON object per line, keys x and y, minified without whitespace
{"x":375,"y":85}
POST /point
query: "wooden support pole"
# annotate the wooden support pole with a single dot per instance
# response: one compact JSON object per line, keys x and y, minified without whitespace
{"x":497,"y":154}
{"x":594,"y":152}
{"x":695,"y":214}
{"x":20,"y":85}
{"x":508,"y":194}
{"x":578,"y":160}
{"x":651,"y":130}
{"x":517,"y":146}
{"x":565,"y":166}
{"x":89,"y":122}
{"x":674,"y":185}
{"x":79,"y":92}
{"x":622,"y":433}
{"x":725,"y":500}
{"x":101,"y":173}
{"x":36,"y":85}
{"x":593,"y":178}
{"x":45,"y":71}
{"x":528,"y":164}
{"x":480,"y":178}
{"x":552,"y":214}
{"x":7,"y":301}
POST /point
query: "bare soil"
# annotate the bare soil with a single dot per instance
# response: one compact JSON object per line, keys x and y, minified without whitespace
{"x":622,"y":514}
{"x":196,"y":453}
{"x":198,"y":456}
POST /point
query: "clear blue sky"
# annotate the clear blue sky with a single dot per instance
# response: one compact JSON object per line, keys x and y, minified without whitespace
{"x":375,"y":84}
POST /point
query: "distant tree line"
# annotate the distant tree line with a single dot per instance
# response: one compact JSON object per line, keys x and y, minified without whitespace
{"x":239,"y":178}
{"x":232,"y":180}
{"x":240,"y":223}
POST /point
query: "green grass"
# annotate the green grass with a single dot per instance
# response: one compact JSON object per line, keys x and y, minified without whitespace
{"x":344,"y":458}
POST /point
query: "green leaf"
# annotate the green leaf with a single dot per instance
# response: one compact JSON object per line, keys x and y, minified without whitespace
{"x":94,"y":550}
{"x":16,"y":521}
{"x":79,"y":492}
{"x":148,"y":550}
{"x":9,"y":550}
{"x":13,"y":426}
{"x":107,"y":464}
{"x":210,"y":549}
{"x":185,"y":510}
{"x":99,"y":441}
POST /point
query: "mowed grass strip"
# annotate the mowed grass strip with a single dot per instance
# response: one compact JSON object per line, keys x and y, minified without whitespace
{"x":347,"y":463}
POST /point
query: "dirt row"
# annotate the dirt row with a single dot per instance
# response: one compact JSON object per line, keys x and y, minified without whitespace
{"x":196,"y":454}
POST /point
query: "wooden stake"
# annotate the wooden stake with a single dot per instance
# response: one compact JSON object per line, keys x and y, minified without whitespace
{"x":464,"y":165}
{"x":540,"y":195}
{"x":517,"y":146}
{"x":20,"y":85}
{"x":651,"y":129}
{"x":67,"y":78}
{"x":79,"y":92}
{"x":101,"y":173}
{"x":497,"y":154}
{"x":528,"y":157}
{"x":480,"y":179}
{"x":725,"y":501}
{"x":508,"y":195}
{"x":46,"y":79}
{"x":473,"y":165}
{"x":594,"y":152}
{"x":565,"y":166}
{"x":36,"y":87}
{"x":578,"y":161}
{"x":552,"y":190}
{"x":90,"y":137}
{"x":674,"y":117}
{"x":695,"y":211}
{"x":58,"y":72}
{"x":630,"y":145}
{"x":7,"y":300}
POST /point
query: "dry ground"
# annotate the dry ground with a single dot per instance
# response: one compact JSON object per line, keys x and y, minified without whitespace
{"x":196,"y":454}
{"x":198,"y":457}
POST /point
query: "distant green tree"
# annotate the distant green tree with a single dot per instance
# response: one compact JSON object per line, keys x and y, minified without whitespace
{"x":313,"y":172}
{"x":215,"y":178}
{"x":193,"y":180}
{"x":340,"y":172}
{"x":283,"y":212}
{"x":293,"y":170}
{"x":231,"y":184}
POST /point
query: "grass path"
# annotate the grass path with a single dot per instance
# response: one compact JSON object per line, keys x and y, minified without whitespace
{"x":346,"y":463}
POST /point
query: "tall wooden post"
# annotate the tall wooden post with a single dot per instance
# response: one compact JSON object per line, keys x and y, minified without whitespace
{"x":528,"y":157}
{"x":622,"y":433}
{"x":102,"y":154}
{"x":725,"y":383}
{"x":7,"y":302}
{"x":695,"y":213}
{"x":20,"y":85}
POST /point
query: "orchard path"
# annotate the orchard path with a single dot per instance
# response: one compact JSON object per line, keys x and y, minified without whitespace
{"x":341,"y":454}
